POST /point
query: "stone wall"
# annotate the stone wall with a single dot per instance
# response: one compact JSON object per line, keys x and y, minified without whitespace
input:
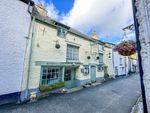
{"x":143,"y":16}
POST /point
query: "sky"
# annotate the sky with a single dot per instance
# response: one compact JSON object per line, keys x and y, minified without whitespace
{"x":106,"y":17}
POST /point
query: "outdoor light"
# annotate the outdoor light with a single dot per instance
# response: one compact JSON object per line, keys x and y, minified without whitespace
{"x":57,"y":46}
{"x":88,"y":57}
{"x":97,"y":58}
{"x":109,"y":55}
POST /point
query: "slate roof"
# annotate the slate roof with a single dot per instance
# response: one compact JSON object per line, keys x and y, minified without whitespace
{"x":55,"y":23}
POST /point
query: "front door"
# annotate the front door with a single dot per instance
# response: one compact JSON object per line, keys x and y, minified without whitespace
{"x":69,"y":77}
{"x":93,"y":73}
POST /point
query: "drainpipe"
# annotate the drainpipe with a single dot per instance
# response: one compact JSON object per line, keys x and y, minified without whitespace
{"x":31,"y":34}
{"x":125,"y":63}
{"x":136,"y":25}
{"x":29,"y":4}
{"x":113,"y":63}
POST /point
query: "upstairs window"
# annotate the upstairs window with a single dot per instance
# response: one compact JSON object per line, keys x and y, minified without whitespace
{"x":121,"y":63}
{"x":61,"y":32}
{"x":100,"y":58}
{"x":72,"y":53}
{"x":101,"y":47}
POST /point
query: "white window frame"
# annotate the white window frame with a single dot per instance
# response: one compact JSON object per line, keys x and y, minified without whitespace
{"x":52,"y":75}
{"x":61,"y":32}
{"x":101,"y":59}
{"x":72,"y":53}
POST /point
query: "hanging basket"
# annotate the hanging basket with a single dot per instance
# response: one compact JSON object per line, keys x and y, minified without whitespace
{"x":126,"y":48}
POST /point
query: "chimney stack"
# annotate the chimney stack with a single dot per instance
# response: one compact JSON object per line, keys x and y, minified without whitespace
{"x":41,"y":9}
{"x":94,"y":35}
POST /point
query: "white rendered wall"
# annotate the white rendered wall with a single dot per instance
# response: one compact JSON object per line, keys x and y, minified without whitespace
{"x":44,"y":50}
{"x":109,"y":61}
{"x":14,"y":25}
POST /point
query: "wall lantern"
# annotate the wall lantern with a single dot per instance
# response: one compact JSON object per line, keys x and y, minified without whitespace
{"x":88,"y":57}
{"x":109,"y":55}
{"x":57,"y":45}
{"x":97,"y":58}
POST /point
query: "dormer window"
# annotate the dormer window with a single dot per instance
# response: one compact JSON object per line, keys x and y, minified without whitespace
{"x":61,"y":32}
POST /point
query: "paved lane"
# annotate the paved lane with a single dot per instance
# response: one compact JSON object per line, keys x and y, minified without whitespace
{"x":116,"y":96}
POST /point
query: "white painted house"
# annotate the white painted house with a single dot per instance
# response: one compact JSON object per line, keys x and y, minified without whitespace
{"x":125,"y":65}
{"x":119,"y":64}
{"x":14,"y":27}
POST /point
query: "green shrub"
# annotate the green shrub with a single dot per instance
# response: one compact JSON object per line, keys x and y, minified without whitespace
{"x":50,"y":87}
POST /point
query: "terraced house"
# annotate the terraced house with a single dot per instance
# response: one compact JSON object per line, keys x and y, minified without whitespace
{"x":49,"y":56}
{"x":59,"y":57}
{"x":54,"y":57}
{"x":124,"y":66}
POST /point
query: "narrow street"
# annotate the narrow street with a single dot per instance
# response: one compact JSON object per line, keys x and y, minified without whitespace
{"x":116,"y":96}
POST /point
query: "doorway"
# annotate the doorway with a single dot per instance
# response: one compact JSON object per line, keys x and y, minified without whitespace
{"x":69,"y":77}
{"x":93,"y":73}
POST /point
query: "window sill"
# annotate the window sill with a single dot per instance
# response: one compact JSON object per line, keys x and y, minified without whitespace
{"x":76,"y":61}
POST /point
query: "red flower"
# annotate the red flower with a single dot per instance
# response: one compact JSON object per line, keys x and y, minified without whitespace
{"x":126,"y":48}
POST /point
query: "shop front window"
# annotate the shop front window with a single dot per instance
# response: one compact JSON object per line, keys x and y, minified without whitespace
{"x":51,"y":75}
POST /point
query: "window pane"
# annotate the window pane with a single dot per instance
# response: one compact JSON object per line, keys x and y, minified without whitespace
{"x":61,"y":32}
{"x":51,"y":76}
{"x":44,"y":76}
{"x":44,"y":70}
{"x":72,"y":53}
{"x":101,"y":58}
{"x":44,"y":81}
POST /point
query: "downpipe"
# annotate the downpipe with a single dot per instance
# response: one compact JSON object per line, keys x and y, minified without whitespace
{"x":30,"y":57}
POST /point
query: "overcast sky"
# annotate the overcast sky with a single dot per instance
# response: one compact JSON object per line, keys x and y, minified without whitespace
{"x":106,"y":17}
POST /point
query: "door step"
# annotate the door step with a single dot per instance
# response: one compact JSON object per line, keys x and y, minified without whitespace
{"x":96,"y":83}
{"x":87,"y":85}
